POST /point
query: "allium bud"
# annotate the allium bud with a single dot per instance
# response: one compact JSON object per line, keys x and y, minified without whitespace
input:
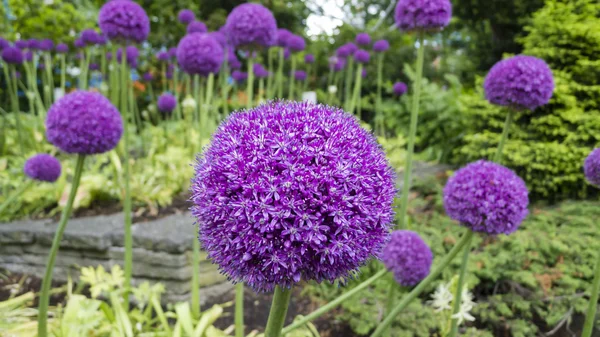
{"x":309,"y":58}
{"x":62,"y":48}
{"x":381,"y":46}
{"x":166,"y":103}
{"x":300,"y":75}
{"x":399,"y":88}
{"x":296,"y":43}
{"x":239,"y":76}
{"x":363,"y":39}
{"x":186,"y":16}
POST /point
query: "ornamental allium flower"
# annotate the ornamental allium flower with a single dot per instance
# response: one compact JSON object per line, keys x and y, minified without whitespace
{"x":408,"y":257}
{"x":239,"y":76}
{"x":522,"y":82}
{"x":342,"y":52}
{"x":591,"y":167}
{"x":363,"y":39}
{"x":283,"y":36}
{"x":199,"y":54}
{"x":33,"y":44}
{"x":94,"y":66}
{"x":300,"y":75}
{"x":232,"y":60}
{"x":148,"y":77}
{"x":22,"y":44}
{"x":28,"y":55}
{"x":340,"y":65}
{"x":351,"y":47}
{"x":196,"y":27}
{"x":423,"y":14}
{"x":46,"y":45}
{"x":62,"y":48}
{"x":79,"y":43}
{"x":362,"y":56}
{"x":169,"y":74}
{"x":260,"y":71}
{"x":486,"y":197}
{"x":42,"y":167}
{"x":381,"y":46}
{"x":186,"y":16}
{"x":309,"y":58}
{"x":90,"y":37}
{"x":166,"y":103}
{"x":84,"y":122}
{"x":131,"y":55}
{"x":399,"y":88}
{"x":251,"y":25}
{"x":162,"y":56}
{"x":12,"y":55}
{"x":4,"y":43}
{"x":101,"y":39}
{"x":292,"y":191}
{"x":286,"y":53}
{"x":220,"y":38}
{"x":172,"y":52}
{"x":296,"y":43}
{"x":124,"y":21}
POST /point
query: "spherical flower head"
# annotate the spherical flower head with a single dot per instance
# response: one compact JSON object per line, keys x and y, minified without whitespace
{"x":399,"y":88}
{"x":220,"y":38}
{"x":239,"y":76}
{"x":42,"y":167}
{"x":251,"y":25}
{"x":84,"y":122}
{"x":124,"y":21}
{"x":94,"y":66}
{"x":166,"y":103}
{"x":62,"y":48}
{"x":162,"y":56}
{"x":172,"y":52}
{"x":363,"y":39}
{"x":362,"y":56}
{"x":186,"y":16}
{"x":22,"y":44}
{"x":89,"y":37}
{"x":296,"y":43}
{"x":12,"y":55}
{"x":286,"y":53}
{"x":4,"y":43}
{"x":196,"y":27}
{"x":199,"y":54}
{"x":28,"y":55}
{"x":591,"y":167}
{"x":309,"y":58}
{"x":408,"y":257}
{"x":46,"y":45}
{"x":427,"y":15}
{"x":79,"y":43}
{"x":486,"y":197}
{"x":340,"y":65}
{"x":131,"y":55}
{"x":381,"y":46}
{"x":148,"y":77}
{"x":292,"y":191}
{"x":101,"y":40}
{"x":232,"y":60}
{"x":260,"y":71}
{"x":33,"y":44}
{"x":351,"y":47}
{"x":342,"y":52}
{"x":521,"y":82}
{"x":283,"y":36}
{"x":300,"y":75}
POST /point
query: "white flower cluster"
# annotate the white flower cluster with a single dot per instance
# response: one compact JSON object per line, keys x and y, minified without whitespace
{"x":443,"y":298}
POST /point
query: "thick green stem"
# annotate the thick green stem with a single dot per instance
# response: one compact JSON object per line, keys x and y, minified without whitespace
{"x":50,"y":78}
{"x":63,"y":73}
{"x":504,"y":137}
{"x":378,"y":112}
{"x":279,"y":308}
{"x":269,"y":93}
{"x":225,"y":87}
{"x":280,"y":73}
{"x":590,"y":316}
{"x":261,"y":89}
{"x":459,"y":288}
{"x":47,"y":281}
{"x":195,"y":274}
{"x":424,"y":284}
{"x":164,"y":76}
{"x":198,"y":100}
{"x":356,"y":93}
{"x":391,"y":298}
{"x":114,"y":78}
{"x":14,"y":101}
{"x":103,"y":63}
{"x":329,"y":306}
{"x":178,"y":109}
{"x":250,"y":84}
{"x":15,"y":195}
{"x":348,"y":83}
{"x":414,"y":118}
{"x":292,"y":77}
{"x":128,"y":240}
{"x":239,"y":310}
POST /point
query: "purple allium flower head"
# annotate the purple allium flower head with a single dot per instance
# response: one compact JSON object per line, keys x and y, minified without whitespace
{"x":300,"y":75}
{"x":408,"y":257}
{"x":84,"y":122}
{"x":309,"y":58}
{"x":46,"y":45}
{"x":28,"y":55}
{"x":381,"y":46}
{"x":101,"y":39}
{"x":239,"y":76}
{"x":4,"y":43}
{"x":362,"y":56}
{"x":186,"y":16}
{"x":33,"y":44}
{"x":196,"y":27}
{"x":260,"y":71}
{"x":352,"y":48}
{"x":296,"y":43}
{"x":339,"y":65}
{"x":170,"y":67}
{"x":162,"y":56}
{"x":591,"y":167}
{"x":250,"y":25}
{"x":232,"y":60}
{"x":22,"y":44}
{"x":522,"y":82}
{"x":423,"y":14}
{"x":148,"y":77}
{"x":166,"y":103}
{"x":90,"y":37}
{"x":220,"y":38}
{"x":124,"y":20}
{"x":94,"y":66}
{"x":79,"y":43}
{"x":131,"y":55}
{"x":399,"y":88}
{"x":292,"y":191}
{"x":283,"y":36}
{"x":286,"y":53}
{"x":342,"y":52}
{"x":42,"y":167}
{"x":172,"y":52}
{"x":62,"y":48}
{"x":199,"y":53}
{"x":12,"y":55}
{"x":363,"y":39}
{"x":486,"y":197}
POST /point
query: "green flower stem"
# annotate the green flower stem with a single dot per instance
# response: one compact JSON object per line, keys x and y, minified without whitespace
{"x":178,"y":109}
{"x":330,"y":82}
{"x":329,"y":306}
{"x":269,"y":93}
{"x":50,"y":79}
{"x":356,"y":93}
{"x":505,"y":131}
{"x":198,"y":100}
{"x":279,"y":308}
{"x":210,"y":85}
{"x":414,"y":118}
{"x":239,"y":310}
{"x":103,"y":62}
{"x":14,"y":102}
{"x":250,"y":84}
{"x":195,"y":302}
{"x":225,"y":87}
{"x":391,"y":298}
{"x":84,"y":64}
{"x":114,"y":78}
{"x":128,"y":240}
{"x":308,"y":71}
{"x":424,"y":284}
{"x":348,"y":83}
{"x":20,"y":190}
{"x":47,"y":281}
{"x":292,"y":77}
{"x":63,"y":73}
{"x":164,"y":75}
{"x":590,"y":315}
{"x":261,"y":89}
{"x":459,"y":287}
{"x":280,"y":74}
{"x":378,"y":112}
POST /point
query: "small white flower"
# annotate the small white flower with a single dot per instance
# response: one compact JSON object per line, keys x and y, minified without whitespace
{"x":189,"y":103}
{"x":138,"y":326}
{"x":332,"y":89}
{"x":466,"y":305}
{"x":442,"y":298}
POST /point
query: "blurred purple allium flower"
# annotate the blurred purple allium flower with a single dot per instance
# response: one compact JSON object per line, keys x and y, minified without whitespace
{"x":300,"y":75}
{"x":381,"y":46}
{"x":46,"y":45}
{"x":124,"y":21}
{"x":309,"y":58}
{"x":399,"y":88}
{"x":186,"y":16}
{"x":363,"y":39}
{"x":522,"y":82}
{"x":12,"y":55}
{"x":339,"y":65}
{"x":292,"y":191}
{"x":363,"y":74}
{"x":220,"y":38}
{"x":591,"y":167}
{"x":79,"y":43}
{"x":4,"y":43}
{"x":84,"y":122}
{"x":486,"y":197}
{"x":28,"y":55}
{"x":166,"y":103}
{"x":239,"y":76}
{"x":286,"y":53}
{"x":162,"y":56}
{"x":196,"y":27}
{"x":342,"y":52}
{"x":131,"y":54}
{"x":283,"y":36}
{"x":362,"y":56}
{"x":232,"y":60}
{"x":94,"y":66}
{"x":101,"y":39}
{"x":62,"y":48}
{"x":42,"y":167}
{"x":172,"y":52}
{"x":33,"y":44}
{"x":169,"y":74}
{"x":422,"y":14}
{"x":296,"y":43}
{"x":260,"y":71}
{"x":251,"y":25}
{"x":22,"y":44}
{"x":148,"y":77}
{"x":199,"y":54}
{"x":352,"y":48}
{"x":408,"y":257}
{"x":90,"y":37}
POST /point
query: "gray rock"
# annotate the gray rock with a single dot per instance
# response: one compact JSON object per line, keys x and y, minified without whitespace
{"x":150,"y":257}
{"x":20,"y":231}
